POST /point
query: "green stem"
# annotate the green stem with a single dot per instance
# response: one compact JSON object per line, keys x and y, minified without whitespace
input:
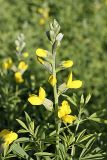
{"x":57,"y":121}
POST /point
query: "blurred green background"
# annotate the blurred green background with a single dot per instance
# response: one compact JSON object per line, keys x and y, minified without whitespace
{"x":84,"y":25}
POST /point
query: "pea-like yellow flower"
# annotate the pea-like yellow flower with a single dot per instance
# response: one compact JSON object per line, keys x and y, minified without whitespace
{"x":18,"y":77}
{"x":8,"y":137}
{"x":67,"y":64}
{"x":22,"y":66}
{"x":41,"y":53}
{"x":37,"y":99}
{"x":64,"y":111}
{"x":25,"y":54}
{"x":52,"y":80}
{"x":73,"y":84}
{"x":7,"y":64}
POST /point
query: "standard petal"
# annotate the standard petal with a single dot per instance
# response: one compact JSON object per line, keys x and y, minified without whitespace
{"x":75,"y":84}
{"x":35,"y":100}
{"x":41,"y":53}
{"x":69,"y":80}
{"x":42,"y":94}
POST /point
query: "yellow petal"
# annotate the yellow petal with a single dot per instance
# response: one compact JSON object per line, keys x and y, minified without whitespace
{"x":18,"y":77}
{"x":75,"y":84}
{"x":52,"y":80}
{"x":35,"y":100}
{"x":69,"y":79}
{"x":68,"y":118}
{"x":41,"y":53}
{"x":4,"y":132}
{"x":64,"y":109}
{"x":42,"y":94}
{"x":67,"y":64}
{"x":40,"y":60}
{"x":61,"y":113}
{"x":22,"y":66}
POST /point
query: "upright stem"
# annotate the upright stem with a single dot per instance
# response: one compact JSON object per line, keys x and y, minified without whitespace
{"x":57,"y":121}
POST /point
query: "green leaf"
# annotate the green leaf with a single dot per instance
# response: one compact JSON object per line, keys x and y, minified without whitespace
{"x":86,"y":137}
{"x":18,"y":150}
{"x":23,"y":131}
{"x":98,"y":156}
{"x":44,"y":154}
{"x":70,"y":99}
{"x":88,"y":98}
{"x":22,"y":124}
{"x":23,"y":139}
{"x":87,"y":147}
{"x":99,"y":120}
{"x":28,"y":119}
{"x":80,"y":135}
{"x":82,"y":99}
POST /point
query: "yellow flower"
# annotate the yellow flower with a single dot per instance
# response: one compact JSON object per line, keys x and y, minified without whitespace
{"x":37,"y":99}
{"x":7,"y":64}
{"x":18,"y":77}
{"x":22,"y":66}
{"x":8,"y":137}
{"x":67,"y":64}
{"x":73,"y":84}
{"x":41,"y":53}
{"x":25,"y":54}
{"x":52,"y":80}
{"x":64,"y":111}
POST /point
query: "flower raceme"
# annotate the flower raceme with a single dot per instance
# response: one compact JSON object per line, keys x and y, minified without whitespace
{"x":73,"y":83}
{"x":8,"y":137}
{"x":52,"y":80}
{"x":64,"y":111}
{"x":7,"y":64}
{"x":37,"y":99}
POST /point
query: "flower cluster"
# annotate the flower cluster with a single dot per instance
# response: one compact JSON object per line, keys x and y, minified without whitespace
{"x":18,"y":71}
{"x":46,"y":59}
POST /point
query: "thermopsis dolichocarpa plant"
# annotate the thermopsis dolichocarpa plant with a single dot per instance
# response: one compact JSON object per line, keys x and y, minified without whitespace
{"x":63,"y":135}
